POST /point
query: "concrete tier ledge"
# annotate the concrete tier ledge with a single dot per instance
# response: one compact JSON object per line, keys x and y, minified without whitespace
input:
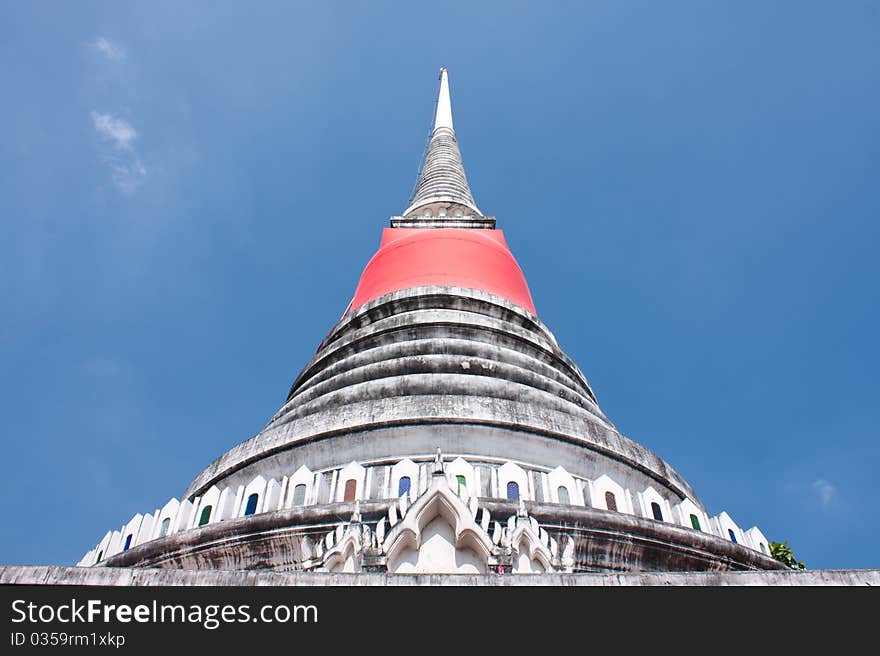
{"x":481,"y":222}
{"x":108,"y":576}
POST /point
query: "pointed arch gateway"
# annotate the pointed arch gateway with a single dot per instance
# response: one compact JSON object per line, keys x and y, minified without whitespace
{"x":529,"y":553}
{"x":438,"y":534}
{"x":345,"y":556}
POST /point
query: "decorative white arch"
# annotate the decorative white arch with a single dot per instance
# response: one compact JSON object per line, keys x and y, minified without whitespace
{"x":88,"y":559}
{"x":132,"y":528}
{"x":604,"y":484}
{"x":683,"y":511}
{"x":461,"y":467}
{"x":273,"y":496}
{"x":256,"y":486}
{"x":168,"y":511}
{"x":510,"y":472}
{"x":101,"y":549}
{"x":115,"y":544}
{"x":229,"y":499}
{"x":559,"y":477}
{"x":302,"y":476}
{"x":758,"y":540}
{"x":466,"y":547}
{"x":184,"y":516}
{"x":649,"y":496}
{"x":210,"y":499}
{"x":145,"y":532}
{"x":405,"y":467}
{"x":352,"y":471}
{"x":723,"y":525}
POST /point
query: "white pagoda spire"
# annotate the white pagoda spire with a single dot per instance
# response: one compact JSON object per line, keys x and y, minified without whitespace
{"x":442,"y":189}
{"x":443,"y":117}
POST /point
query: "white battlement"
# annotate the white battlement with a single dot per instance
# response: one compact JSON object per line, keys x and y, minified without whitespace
{"x":408,"y":479}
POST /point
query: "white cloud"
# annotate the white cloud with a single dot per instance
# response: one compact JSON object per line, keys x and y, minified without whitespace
{"x":827,"y":492}
{"x":118,"y":135}
{"x":116,"y":130}
{"x":127,"y":176}
{"x":109,"y":49}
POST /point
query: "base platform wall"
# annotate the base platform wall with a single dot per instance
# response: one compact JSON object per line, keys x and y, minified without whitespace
{"x":111,"y":576}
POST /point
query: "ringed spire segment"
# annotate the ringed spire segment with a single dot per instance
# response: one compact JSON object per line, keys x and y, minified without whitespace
{"x":442,"y":189}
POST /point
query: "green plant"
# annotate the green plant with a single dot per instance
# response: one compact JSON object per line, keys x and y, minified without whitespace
{"x":783,"y":553}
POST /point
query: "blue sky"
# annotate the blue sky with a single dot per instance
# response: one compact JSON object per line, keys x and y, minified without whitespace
{"x":189,"y":192}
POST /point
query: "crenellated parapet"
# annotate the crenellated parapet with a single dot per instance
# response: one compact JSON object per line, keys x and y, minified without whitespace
{"x":421,"y":513}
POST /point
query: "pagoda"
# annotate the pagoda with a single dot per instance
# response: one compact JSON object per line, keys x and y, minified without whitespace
{"x":439,"y":428}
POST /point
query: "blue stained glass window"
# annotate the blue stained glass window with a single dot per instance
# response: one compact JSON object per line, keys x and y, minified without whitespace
{"x":251,"y":507}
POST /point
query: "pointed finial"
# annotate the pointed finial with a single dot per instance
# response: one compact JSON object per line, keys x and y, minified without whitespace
{"x":521,"y":510}
{"x":442,"y":189}
{"x":443,"y":117}
{"x":438,"y":464}
{"x":356,"y":515}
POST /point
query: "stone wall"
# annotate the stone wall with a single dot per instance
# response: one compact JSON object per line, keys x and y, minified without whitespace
{"x":107,"y":576}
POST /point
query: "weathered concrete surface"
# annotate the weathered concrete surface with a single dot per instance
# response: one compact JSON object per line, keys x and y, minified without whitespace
{"x":463,"y":371}
{"x":435,"y":356}
{"x":107,"y":576}
{"x":604,"y":540}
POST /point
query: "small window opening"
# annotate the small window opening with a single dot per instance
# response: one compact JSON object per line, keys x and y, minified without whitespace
{"x":611,"y":501}
{"x":350,"y":490}
{"x":251,"y":506}
{"x":655,"y":510}
{"x":562,"y":493}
